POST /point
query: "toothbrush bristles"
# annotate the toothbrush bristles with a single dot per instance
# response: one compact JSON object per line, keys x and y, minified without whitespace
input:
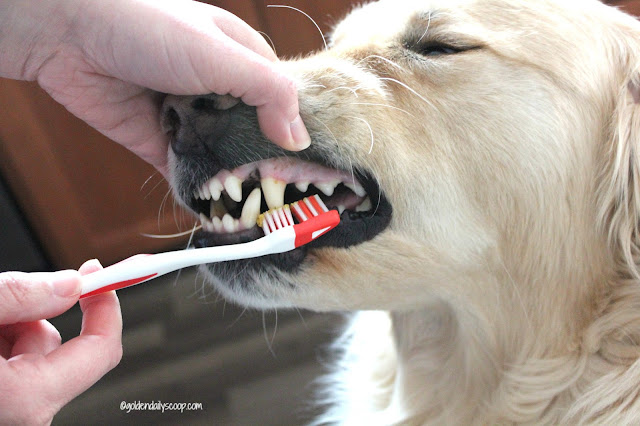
{"x":281,"y":217}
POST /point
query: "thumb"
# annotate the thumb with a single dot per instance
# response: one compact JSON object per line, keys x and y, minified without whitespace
{"x":39,"y":295}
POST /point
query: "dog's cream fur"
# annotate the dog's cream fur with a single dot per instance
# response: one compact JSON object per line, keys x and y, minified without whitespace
{"x":507,"y":287}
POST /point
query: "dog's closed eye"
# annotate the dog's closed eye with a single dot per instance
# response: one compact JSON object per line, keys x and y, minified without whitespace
{"x":436,"y":49}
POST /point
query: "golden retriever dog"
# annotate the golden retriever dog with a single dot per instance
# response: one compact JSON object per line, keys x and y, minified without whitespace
{"x":485,"y":158}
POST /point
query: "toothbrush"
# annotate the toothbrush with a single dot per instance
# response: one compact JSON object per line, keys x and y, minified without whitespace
{"x":281,"y":235}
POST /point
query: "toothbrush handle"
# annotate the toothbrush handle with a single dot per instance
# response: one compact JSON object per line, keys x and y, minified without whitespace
{"x":140,"y":268}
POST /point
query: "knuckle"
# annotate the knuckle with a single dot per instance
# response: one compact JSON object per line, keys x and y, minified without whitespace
{"x":14,"y":293}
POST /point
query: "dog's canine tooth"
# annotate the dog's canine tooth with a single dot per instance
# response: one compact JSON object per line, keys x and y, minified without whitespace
{"x":273,"y":192}
{"x":251,"y":209}
{"x":327,"y":188}
{"x":229,"y":224}
{"x":215,"y":187}
{"x":357,"y":188}
{"x":365,"y":205}
{"x":302,"y":186}
{"x":233,"y":186}
{"x":341,"y":208}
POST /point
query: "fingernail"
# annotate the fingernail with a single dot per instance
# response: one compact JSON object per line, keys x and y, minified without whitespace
{"x":93,"y":263}
{"x":65,"y":283}
{"x":301,"y":138}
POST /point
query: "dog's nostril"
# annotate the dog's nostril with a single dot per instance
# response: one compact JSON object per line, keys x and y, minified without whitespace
{"x":172,"y":121}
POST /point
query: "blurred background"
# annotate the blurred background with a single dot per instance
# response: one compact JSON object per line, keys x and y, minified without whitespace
{"x":67,"y":194}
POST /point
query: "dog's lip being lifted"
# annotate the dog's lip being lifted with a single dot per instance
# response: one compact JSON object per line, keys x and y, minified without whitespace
{"x":229,"y":202}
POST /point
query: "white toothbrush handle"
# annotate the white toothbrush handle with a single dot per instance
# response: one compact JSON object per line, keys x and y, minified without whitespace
{"x":141,"y":268}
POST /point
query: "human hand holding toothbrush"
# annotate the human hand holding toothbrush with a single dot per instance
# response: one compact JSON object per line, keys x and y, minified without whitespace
{"x":38,"y":375}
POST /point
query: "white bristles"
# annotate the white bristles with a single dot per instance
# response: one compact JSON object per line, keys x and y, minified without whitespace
{"x":310,"y":206}
{"x":321,"y":203}
{"x":299,"y":213}
{"x":279,"y":218}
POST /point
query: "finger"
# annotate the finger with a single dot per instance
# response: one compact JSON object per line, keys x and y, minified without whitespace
{"x":37,"y":337}
{"x":238,"y":30}
{"x":33,"y":296}
{"x":90,"y":266}
{"x":82,"y":361}
{"x":262,"y":84}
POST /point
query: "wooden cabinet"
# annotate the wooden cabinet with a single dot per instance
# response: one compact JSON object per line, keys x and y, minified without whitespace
{"x":85,"y":196}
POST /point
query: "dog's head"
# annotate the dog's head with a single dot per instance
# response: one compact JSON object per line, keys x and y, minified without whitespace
{"x":468,"y":144}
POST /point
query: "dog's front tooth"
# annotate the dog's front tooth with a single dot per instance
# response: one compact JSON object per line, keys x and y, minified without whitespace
{"x":357,"y":188}
{"x":302,"y":186}
{"x":273,"y":190}
{"x":327,"y":188}
{"x":229,"y":224}
{"x":365,"y":205}
{"x":217,"y":224}
{"x":215,"y":187}
{"x":251,"y":209}
{"x":206,"y":192}
{"x":233,"y":186}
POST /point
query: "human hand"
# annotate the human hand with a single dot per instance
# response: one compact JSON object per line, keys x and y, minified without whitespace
{"x":38,"y":375}
{"x":107,"y":62}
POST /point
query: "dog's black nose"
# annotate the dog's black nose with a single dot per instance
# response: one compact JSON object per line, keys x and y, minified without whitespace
{"x":196,"y":123}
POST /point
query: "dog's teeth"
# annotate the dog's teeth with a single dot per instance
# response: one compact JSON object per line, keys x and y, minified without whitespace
{"x":229,"y":224}
{"x":251,"y":209}
{"x":217,"y":209}
{"x":233,"y":185}
{"x":365,"y":206}
{"x":217,"y":224}
{"x":357,"y":188}
{"x":302,"y":186}
{"x":327,"y":188}
{"x":200,"y":194}
{"x":341,"y":208}
{"x":206,"y":223}
{"x":215,"y":187}
{"x":206,"y":192}
{"x":273,"y":190}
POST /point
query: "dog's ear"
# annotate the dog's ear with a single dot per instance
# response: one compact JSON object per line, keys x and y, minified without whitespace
{"x":620,"y":184}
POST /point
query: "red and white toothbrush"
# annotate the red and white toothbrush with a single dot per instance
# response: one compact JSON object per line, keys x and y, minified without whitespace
{"x":282,"y":234}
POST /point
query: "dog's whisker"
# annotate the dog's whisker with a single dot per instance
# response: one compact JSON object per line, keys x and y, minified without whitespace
{"x":312,"y":86}
{"x":154,"y":187}
{"x":324,"y":40}
{"x":370,"y":130}
{"x":426,"y":29}
{"x":354,"y":91}
{"x":148,"y":179}
{"x":266,"y":36}
{"x":266,"y":337}
{"x":169,"y":236}
{"x":389,"y":61}
{"x":161,"y":208}
{"x":237,"y":319}
{"x":384,"y":105}
{"x":393,"y":80}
